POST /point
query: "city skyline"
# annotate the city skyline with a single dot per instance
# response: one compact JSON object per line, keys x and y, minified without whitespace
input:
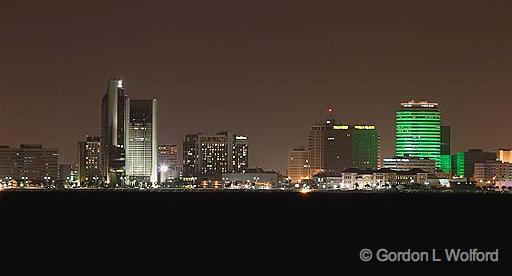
{"x":260,"y":75}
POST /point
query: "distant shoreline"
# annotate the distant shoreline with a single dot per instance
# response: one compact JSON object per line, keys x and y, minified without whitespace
{"x":171,"y":190}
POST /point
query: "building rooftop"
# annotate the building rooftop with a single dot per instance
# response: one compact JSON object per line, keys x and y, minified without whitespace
{"x":419,"y":104}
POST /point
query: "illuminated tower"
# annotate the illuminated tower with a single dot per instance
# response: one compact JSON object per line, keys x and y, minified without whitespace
{"x":298,"y":165}
{"x":316,"y":147}
{"x":317,"y":140}
{"x":445,"y":159}
{"x":89,"y":162}
{"x":141,"y":142}
{"x":240,"y":159}
{"x":112,"y":160}
{"x":418,"y":130}
{"x":365,"y":147}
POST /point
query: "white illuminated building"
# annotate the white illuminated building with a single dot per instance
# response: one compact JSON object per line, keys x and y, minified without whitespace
{"x":141,"y":142}
{"x":407,"y":163}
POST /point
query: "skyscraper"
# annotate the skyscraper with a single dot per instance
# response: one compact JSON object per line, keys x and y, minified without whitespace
{"x":112,"y":162}
{"x":337,"y":147}
{"x":240,"y":159}
{"x":298,"y":165}
{"x":365,"y":147}
{"x":445,"y":159}
{"x":89,"y":173}
{"x":191,"y":155}
{"x":141,"y":141}
{"x":316,"y":147}
{"x":418,"y":130}
{"x":445,"y":140}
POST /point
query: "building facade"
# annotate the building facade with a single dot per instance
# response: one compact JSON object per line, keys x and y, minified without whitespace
{"x":365,"y":147}
{"x":68,"y":174}
{"x":338,"y":154}
{"x":191,"y":155}
{"x":141,"y":148}
{"x":168,"y":161}
{"x":407,"y":163}
{"x":240,"y":153}
{"x":299,"y":167}
{"x":336,"y":147}
{"x":316,"y":147}
{"x":493,"y":171}
{"x":89,"y":173}
{"x":463,"y":162}
{"x":209,"y":156}
{"x":418,"y":131}
{"x":251,"y":178}
{"x":352,"y":179}
{"x":29,"y":164}
{"x":505,"y":155}
{"x":112,"y":162}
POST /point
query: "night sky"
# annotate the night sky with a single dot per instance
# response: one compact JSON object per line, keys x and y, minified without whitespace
{"x":263,"y":68}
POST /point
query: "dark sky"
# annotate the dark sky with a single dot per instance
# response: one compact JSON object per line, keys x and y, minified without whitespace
{"x":263,"y":68}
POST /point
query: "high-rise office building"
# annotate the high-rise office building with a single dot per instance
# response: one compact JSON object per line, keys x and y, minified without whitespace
{"x":191,"y":155}
{"x":316,"y":146}
{"x":141,"y":148}
{"x":209,"y":156}
{"x":337,"y":147}
{"x":89,"y":174}
{"x":213,"y":155}
{"x":240,"y":153}
{"x":29,"y":164}
{"x":418,"y":131}
{"x":112,"y":162}
{"x":365,"y":147}
{"x":298,"y":165}
{"x":445,"y":160}
{"x":445,"y":140}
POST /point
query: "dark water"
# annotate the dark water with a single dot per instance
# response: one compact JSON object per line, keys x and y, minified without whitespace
{"x":237,"y":233}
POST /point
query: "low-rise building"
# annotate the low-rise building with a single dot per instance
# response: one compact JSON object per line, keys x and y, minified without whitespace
{"x":492,"y":171}
{"x":369,"y":179}
{"x":29,"y":165}
{"x":407,"y":163}
{"x":257,"y":178}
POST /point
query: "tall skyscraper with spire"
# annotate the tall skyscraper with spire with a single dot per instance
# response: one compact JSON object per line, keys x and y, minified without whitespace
{"x":113,"y":107}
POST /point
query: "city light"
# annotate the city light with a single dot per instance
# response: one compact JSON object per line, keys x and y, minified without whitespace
{"x":305,"y":190}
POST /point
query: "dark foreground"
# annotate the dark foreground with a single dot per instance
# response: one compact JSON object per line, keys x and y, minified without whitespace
{"x":232,"y":233}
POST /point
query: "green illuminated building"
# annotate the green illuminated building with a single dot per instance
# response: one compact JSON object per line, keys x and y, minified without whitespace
{"x":446,"y":158}
{"x":418,"y":131}
{"x":365,"y":147}
{"x":446,"y":163}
